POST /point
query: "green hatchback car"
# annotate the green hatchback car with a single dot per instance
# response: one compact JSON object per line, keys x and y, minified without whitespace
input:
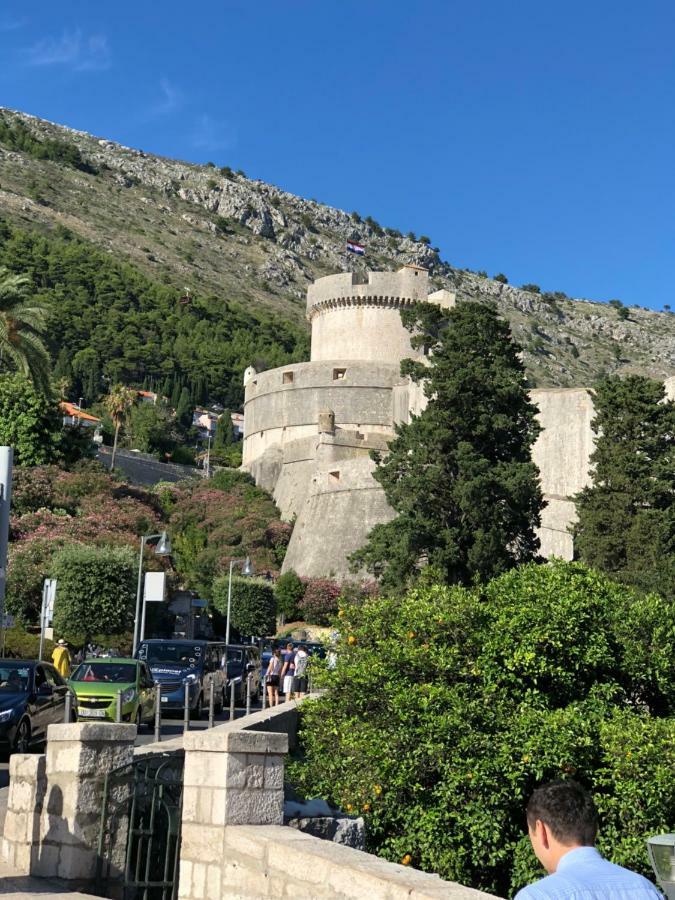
{"x":97,"y":683}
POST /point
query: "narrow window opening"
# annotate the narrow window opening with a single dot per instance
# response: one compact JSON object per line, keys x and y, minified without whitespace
{"x":334,"y":476}
{"x":287,"y":378}
{"x":339,"y":374}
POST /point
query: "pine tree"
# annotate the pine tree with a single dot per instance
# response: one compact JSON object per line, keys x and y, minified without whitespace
{"x":626,"y":524}
{"x":459,"y":475}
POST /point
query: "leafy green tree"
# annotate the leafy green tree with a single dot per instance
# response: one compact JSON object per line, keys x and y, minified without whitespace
{"x":626,"y":517}
{"x":289,"y":591}
{"x":119,"y":404}
{"x":450,"y":704}
{"x":148,"y":428}
{"x":253,"y":609}
{"x":23,"y":323}
{"x":96,"y":590}
{"x":29,"y":422}
{"x":459,"y":475}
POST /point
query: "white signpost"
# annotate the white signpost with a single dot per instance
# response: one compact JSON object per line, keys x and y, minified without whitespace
{"x":153,"y":592}
{"x":47,"y":611}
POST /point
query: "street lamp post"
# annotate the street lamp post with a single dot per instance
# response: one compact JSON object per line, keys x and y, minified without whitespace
{"x":661,"y":849}
{"x":163,"y":548}
{"x":246,"y":570}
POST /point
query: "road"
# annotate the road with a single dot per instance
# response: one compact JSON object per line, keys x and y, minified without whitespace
{"x":171,"y":727}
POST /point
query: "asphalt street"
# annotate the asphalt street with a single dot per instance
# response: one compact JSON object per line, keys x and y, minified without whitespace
{"x":171,"y":728}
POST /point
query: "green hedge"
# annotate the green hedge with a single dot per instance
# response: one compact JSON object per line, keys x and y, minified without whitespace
{"x":96,"y":590}
{"x":253,"y":608}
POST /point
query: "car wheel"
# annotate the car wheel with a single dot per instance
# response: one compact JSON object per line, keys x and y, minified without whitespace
{"x":139,"y":720}
{"x":22,"y":737}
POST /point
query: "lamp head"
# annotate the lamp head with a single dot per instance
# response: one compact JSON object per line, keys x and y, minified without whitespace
{"x":661,"y":849}
{"x":248,"y":568}
{"x":163,"y":547}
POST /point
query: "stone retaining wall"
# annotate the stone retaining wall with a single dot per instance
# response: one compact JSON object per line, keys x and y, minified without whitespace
{"x":277,"y":861}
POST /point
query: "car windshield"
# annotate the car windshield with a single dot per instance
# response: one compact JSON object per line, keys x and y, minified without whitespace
{"x":14,"y":679}
{"x":107,"y":673}
{"x":236,"y":656}
{"x":180,"y":654}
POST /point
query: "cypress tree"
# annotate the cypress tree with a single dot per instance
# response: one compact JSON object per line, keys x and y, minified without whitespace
{"x":626,"y":518}
{"x":224,"y":436}
{"x":460,"y":475}
{"x":184,"y":409}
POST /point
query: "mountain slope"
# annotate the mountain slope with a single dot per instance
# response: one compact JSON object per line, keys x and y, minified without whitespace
{"x":250,"y":249}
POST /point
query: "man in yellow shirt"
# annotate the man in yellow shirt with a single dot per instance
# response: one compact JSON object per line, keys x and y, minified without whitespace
{"x":61,"y":658}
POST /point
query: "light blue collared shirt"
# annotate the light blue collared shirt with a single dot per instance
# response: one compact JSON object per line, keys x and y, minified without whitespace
{"x":583,"y":874}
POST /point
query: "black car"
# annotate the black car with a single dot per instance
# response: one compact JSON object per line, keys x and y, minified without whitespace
{"x":32,"y":697}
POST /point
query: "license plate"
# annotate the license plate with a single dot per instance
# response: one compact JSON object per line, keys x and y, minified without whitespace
{"x":90,"y":713}
{"x":165,"y":699}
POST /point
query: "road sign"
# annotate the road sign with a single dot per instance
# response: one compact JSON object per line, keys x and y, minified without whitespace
{"x":154,"y":587}
{"x":8,"y":621}
{"x":49,"y":593}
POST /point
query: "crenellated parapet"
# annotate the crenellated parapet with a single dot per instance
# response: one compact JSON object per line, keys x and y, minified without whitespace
{"x":357,"y":317}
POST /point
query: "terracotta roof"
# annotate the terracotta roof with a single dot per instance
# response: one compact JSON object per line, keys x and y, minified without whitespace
{"x":75,"y":412}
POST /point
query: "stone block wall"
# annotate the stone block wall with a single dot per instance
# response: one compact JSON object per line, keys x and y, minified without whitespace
{"x":277,"y":861}
{"x":27,"y":788}
{"x":54,"y":807}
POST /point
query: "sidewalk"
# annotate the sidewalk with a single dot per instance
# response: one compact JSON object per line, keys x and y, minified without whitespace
{"x":14,"y":885}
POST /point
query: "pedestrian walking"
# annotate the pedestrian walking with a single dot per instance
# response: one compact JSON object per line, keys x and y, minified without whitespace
{"x":61,"y":658}
{"x":288,"y":671}
{"x":563,"y":822}
{"x":272,"y":677}
{"x":300,"y":679}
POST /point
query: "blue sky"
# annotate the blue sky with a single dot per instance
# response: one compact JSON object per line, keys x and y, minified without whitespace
{"x":531,"y":138}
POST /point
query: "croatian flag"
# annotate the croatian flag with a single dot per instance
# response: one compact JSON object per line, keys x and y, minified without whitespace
{"x":359,"y":249}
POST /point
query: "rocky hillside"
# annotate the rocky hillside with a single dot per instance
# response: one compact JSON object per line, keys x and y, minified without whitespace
{"x":223,"y":235}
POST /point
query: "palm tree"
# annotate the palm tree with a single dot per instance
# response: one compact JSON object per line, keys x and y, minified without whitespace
{"x":22,"y":325}
{"x":118,"y":404}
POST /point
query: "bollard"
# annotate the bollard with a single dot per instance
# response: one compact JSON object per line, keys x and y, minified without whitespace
{"x":248,"y":694}
{"x":68,"y":711}
{"x":186,"y":708}
{"x":118,"y":707}
{"x":232,"y":713}
{"x":212,"y":703}
{"x":158,"y":712}
{"x":264,"y":694}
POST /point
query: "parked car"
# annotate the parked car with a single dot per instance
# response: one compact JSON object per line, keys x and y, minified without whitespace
{"x":177,"y":663}
{"x":32,"y":697}
{"x":97,"y":683}
{"x":242,"y":660}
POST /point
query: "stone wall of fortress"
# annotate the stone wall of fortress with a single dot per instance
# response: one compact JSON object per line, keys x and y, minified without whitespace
{"x":321,"y":473}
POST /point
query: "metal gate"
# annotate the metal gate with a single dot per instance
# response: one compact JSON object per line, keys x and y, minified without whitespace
{"x":139,"y":837}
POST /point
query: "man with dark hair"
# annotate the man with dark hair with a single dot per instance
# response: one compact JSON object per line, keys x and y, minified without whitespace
{"x":563,"y":822}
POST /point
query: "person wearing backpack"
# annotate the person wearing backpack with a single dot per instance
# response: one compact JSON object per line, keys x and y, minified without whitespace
{"x":300,"y":679}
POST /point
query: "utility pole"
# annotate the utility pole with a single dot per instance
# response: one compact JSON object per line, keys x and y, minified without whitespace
{"x":6,"y":462}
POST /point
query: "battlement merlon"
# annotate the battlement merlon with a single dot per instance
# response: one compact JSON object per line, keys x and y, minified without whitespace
{"x":408,"y":285}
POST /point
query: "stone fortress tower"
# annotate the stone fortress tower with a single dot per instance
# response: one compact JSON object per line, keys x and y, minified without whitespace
{"x":309,"y":427}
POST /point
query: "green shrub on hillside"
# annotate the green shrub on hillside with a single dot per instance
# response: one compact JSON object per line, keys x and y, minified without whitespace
{"x":253,"y":610}
{"x":29,"y":422}
{"x":449,"y":705}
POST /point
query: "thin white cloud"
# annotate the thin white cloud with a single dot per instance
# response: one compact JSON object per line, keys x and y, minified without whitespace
{"x":73,"y":50}
{"x":211,"y":135}
{"x":7,"y":23}
{"x":171,"y":99}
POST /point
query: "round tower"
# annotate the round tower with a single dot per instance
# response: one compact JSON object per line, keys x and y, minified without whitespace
{"x":355,"y":316}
